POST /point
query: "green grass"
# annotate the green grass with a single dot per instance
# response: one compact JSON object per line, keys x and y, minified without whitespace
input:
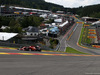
{"x":88,"y":40}
{"x":71,"y":50}
{"x":80,"y":39}
{"x":83,"y":36}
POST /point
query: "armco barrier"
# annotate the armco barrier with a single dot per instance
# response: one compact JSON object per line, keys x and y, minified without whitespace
{"x":96,"y":46}
{"x":7,"y":44}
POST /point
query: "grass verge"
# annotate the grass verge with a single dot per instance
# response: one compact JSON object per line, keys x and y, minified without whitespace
{"x":71,"y":50}
{"x":81,"y":36}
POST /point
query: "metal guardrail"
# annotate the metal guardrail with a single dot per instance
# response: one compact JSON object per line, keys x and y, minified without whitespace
{"x":43,"y":47}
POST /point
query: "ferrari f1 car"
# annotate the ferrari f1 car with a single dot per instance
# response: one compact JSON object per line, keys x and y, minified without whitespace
{"x":30,"y":48}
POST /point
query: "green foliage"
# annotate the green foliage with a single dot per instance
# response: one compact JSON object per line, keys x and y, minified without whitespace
{"x":14,"y":27}
{"x":25,"y":22}
{"x":17,"y":24}
{"x":96,"y":14}
{"x":31,"y":21}
{"x":37,"y":4}
{"x":71,"y":50}
{"x":4,"y":21}
{"x":93,"y":11}
{"x":85,"y":39}
{"x":80,"y":39}
{"x":88,"y":41}
{"x":53,"y":43}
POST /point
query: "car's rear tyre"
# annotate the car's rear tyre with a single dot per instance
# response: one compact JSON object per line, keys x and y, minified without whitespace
{"x":18,"y":49}
{"x":39,"y":50}
{"x":30,"y":49}
{"x":27,"y":49}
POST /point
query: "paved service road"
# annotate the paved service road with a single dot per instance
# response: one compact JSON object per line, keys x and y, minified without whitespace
{"x":49,"y":65}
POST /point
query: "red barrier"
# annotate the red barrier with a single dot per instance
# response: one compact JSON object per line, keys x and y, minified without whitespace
{"x":96,"y":46}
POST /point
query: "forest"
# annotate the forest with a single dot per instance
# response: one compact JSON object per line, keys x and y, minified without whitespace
{"x":17,"y":24}
{"x":37,"y":4}
{"x":92,"y":10}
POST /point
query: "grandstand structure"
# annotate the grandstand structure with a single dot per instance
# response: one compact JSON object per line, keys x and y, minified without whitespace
{"x":15,"y":11}
{"x":89,"y":19}
{"x":98,"y":32}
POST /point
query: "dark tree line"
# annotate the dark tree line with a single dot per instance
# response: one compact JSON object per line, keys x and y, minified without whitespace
{"x":37,"y":4}
{"x":16,"y":24}
{"x":92,"y":11}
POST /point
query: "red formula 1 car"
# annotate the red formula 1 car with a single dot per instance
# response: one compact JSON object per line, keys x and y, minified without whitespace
{"x":30,"y":48}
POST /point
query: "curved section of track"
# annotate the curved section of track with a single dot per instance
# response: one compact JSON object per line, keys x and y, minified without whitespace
{"x":72,"y":42}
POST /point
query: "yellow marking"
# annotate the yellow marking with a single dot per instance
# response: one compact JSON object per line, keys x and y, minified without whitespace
{"x":51,"y":51}
{"x":7,"y":47}
{"x":1,"y":47}
{"x":86,"y":25}
{"x":83,"y":35}
{"x":26,"y":53}
{"x":91,"y":29}
{"x":77,"y":55}
{"x":91,"y":33}
{"x":86,"y":55}
{"x":80,"y":22}
{"x":96,"y":46}
{"x":48,"y":51}
{"x":16,"y":12}
{"x":70,"y":36}
{"x":47,"y":54}
{"x":12,"y":48}
{"x":82,"y":46}
{"x":4,"y":53}
{"x":91,"y":36}
{"x":84,"y":31}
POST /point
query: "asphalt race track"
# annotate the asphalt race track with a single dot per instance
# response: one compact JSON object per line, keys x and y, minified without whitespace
{"x":49,"y":65}
{"x":64,"y":64}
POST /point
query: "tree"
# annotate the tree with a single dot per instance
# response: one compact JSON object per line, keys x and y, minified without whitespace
{"x":31,"y":21}
{"x":4,"y":21}
{"x":97,"y":15}
{"x":15,"y":26}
